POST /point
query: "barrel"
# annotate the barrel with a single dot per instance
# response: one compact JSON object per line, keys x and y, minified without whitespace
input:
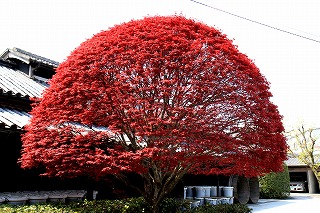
{"x":228,"y":191}
{"x":207,"y":191}
{"x":200,"y":191}
{"x":213,"y":191}
{"x":189,"y":192}
{"x":254,"y":190}
{"x":241,"y":189}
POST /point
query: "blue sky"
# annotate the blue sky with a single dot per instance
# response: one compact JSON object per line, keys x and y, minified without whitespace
{"x":53,"y":28}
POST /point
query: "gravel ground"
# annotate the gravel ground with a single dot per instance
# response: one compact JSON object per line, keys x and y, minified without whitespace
{"x":296,"y":203}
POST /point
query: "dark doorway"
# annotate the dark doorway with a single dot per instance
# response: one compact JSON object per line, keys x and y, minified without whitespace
{"x":298,"y":182}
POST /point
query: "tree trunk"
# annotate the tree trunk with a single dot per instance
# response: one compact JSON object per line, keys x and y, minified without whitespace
{"x":153,"y":191}
{"x":157,"y":184}
{"x":155,"y":207}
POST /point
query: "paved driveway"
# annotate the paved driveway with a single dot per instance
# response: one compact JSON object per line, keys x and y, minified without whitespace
{"x":297,"y":202}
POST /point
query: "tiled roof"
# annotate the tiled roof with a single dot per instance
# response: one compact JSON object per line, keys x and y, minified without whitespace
{"x":11,"y":117}
{"x":16,"y":87}
{"x":16,"y":82}
{"x":294,"y":162}
{"x":27,"y":57}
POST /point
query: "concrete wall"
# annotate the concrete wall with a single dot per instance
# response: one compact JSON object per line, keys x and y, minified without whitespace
{"x":313,"y":185}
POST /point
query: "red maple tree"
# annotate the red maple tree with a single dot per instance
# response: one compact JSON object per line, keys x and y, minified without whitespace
{"x":160,"y":97}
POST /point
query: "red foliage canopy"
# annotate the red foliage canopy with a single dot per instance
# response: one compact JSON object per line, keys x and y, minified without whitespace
{"x":163,"y":93}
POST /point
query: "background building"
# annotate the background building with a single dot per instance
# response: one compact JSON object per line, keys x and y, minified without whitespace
{"x":300,"y":173}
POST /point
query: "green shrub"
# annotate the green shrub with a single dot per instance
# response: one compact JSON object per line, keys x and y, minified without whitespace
{"x":37,"y":208}
{"x":275,"y":185}
{"x":221,"y":208}
{"x":170,"y":205}
{"x":130,"y":205}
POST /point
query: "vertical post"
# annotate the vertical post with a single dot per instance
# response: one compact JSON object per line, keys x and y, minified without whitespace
{"x":312,"y":182}
{"x":30,"y":71}
{"x":218,"y":188}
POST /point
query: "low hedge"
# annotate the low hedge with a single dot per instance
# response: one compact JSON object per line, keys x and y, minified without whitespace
{"x":221,"y":208}
{"x":131,"y":205}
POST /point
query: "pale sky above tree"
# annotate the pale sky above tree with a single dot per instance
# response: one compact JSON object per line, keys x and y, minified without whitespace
{"x":53,"y":28}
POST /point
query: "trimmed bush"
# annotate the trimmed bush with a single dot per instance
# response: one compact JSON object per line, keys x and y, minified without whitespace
{"x":37,"y":208}
{"x":131,"y":205}
{"x":275,"y":185}
{"x":222,"y":208}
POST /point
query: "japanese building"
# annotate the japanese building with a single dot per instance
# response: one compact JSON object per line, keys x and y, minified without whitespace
{"x":23,"y":77}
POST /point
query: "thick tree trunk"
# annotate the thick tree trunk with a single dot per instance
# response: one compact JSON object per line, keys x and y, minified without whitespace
{"x":155,"y":207}
{"x":157,"y":184}
{"x":153,"y":192}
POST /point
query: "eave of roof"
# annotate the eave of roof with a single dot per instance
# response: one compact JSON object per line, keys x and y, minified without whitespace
{"x":27,"y":57}
{"x":15,"y":101}
{"x":7,"y":63}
